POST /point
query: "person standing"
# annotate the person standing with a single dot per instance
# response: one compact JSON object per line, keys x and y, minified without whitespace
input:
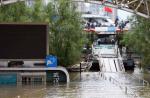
{"x":116,"y":21}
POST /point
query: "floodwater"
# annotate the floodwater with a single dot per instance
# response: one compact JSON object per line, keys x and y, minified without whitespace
{"x":86,"y":85}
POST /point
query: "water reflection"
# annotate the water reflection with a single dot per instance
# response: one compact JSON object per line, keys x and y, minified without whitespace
{"x":24,"y":91}
{"x":90,"y":85}
{"x":141,"y":92}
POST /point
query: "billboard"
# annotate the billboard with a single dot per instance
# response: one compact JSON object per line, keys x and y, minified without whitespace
{"x":23,"y":41}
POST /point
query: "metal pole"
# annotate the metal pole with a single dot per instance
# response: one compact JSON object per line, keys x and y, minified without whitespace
{"x":117,"y":42}
{"x":125,"y":90}
{"x":80,"y":70}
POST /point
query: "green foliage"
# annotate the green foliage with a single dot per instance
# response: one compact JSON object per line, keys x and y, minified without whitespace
{"x":66,"y":32}
{"x":13,"y":12}
{"x":65,"y":37}
{"x":139,"y":39}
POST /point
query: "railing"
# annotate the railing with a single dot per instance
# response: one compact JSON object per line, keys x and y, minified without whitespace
{"x":126,"y":89}
{"x":102,"y":75}
{"x":140,"y":80}
{"x":144,"y":82}
{"x":102,"y":66}
{"x":89,"y":64}
{"x":120,"y":63}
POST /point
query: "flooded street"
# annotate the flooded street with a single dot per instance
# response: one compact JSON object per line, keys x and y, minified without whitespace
{"x":89,"y":85}
{"x":45,"y":43}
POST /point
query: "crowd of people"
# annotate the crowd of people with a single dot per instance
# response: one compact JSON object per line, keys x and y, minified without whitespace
{"x":92,"y":24}
{"x":105,"y":40}
{"x":121,"y":25}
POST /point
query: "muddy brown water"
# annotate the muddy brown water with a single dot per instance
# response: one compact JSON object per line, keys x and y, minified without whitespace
{"x":86,"y":85}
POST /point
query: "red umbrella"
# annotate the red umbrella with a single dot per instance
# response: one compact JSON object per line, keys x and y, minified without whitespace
{"x":108,"y":9}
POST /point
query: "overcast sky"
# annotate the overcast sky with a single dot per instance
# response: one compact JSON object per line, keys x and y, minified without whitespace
{"x":123,"y":14}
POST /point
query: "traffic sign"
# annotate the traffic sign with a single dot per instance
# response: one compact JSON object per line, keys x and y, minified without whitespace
{"x":51,"y":61}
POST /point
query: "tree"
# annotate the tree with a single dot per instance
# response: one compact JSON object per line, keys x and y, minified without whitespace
{"x":66,"y":32}
{"x":66,"y":37}
{"x":139,"y":39}
{"x":13,"y":12}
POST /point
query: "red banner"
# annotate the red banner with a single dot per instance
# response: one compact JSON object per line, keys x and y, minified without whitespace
{"x":108,"y":9}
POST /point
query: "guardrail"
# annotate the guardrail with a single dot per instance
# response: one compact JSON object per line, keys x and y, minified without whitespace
{"x":144,"y":82}
{"x":140,"y":80}
{"x":126,"y":88}
{"x":120,"y":61}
